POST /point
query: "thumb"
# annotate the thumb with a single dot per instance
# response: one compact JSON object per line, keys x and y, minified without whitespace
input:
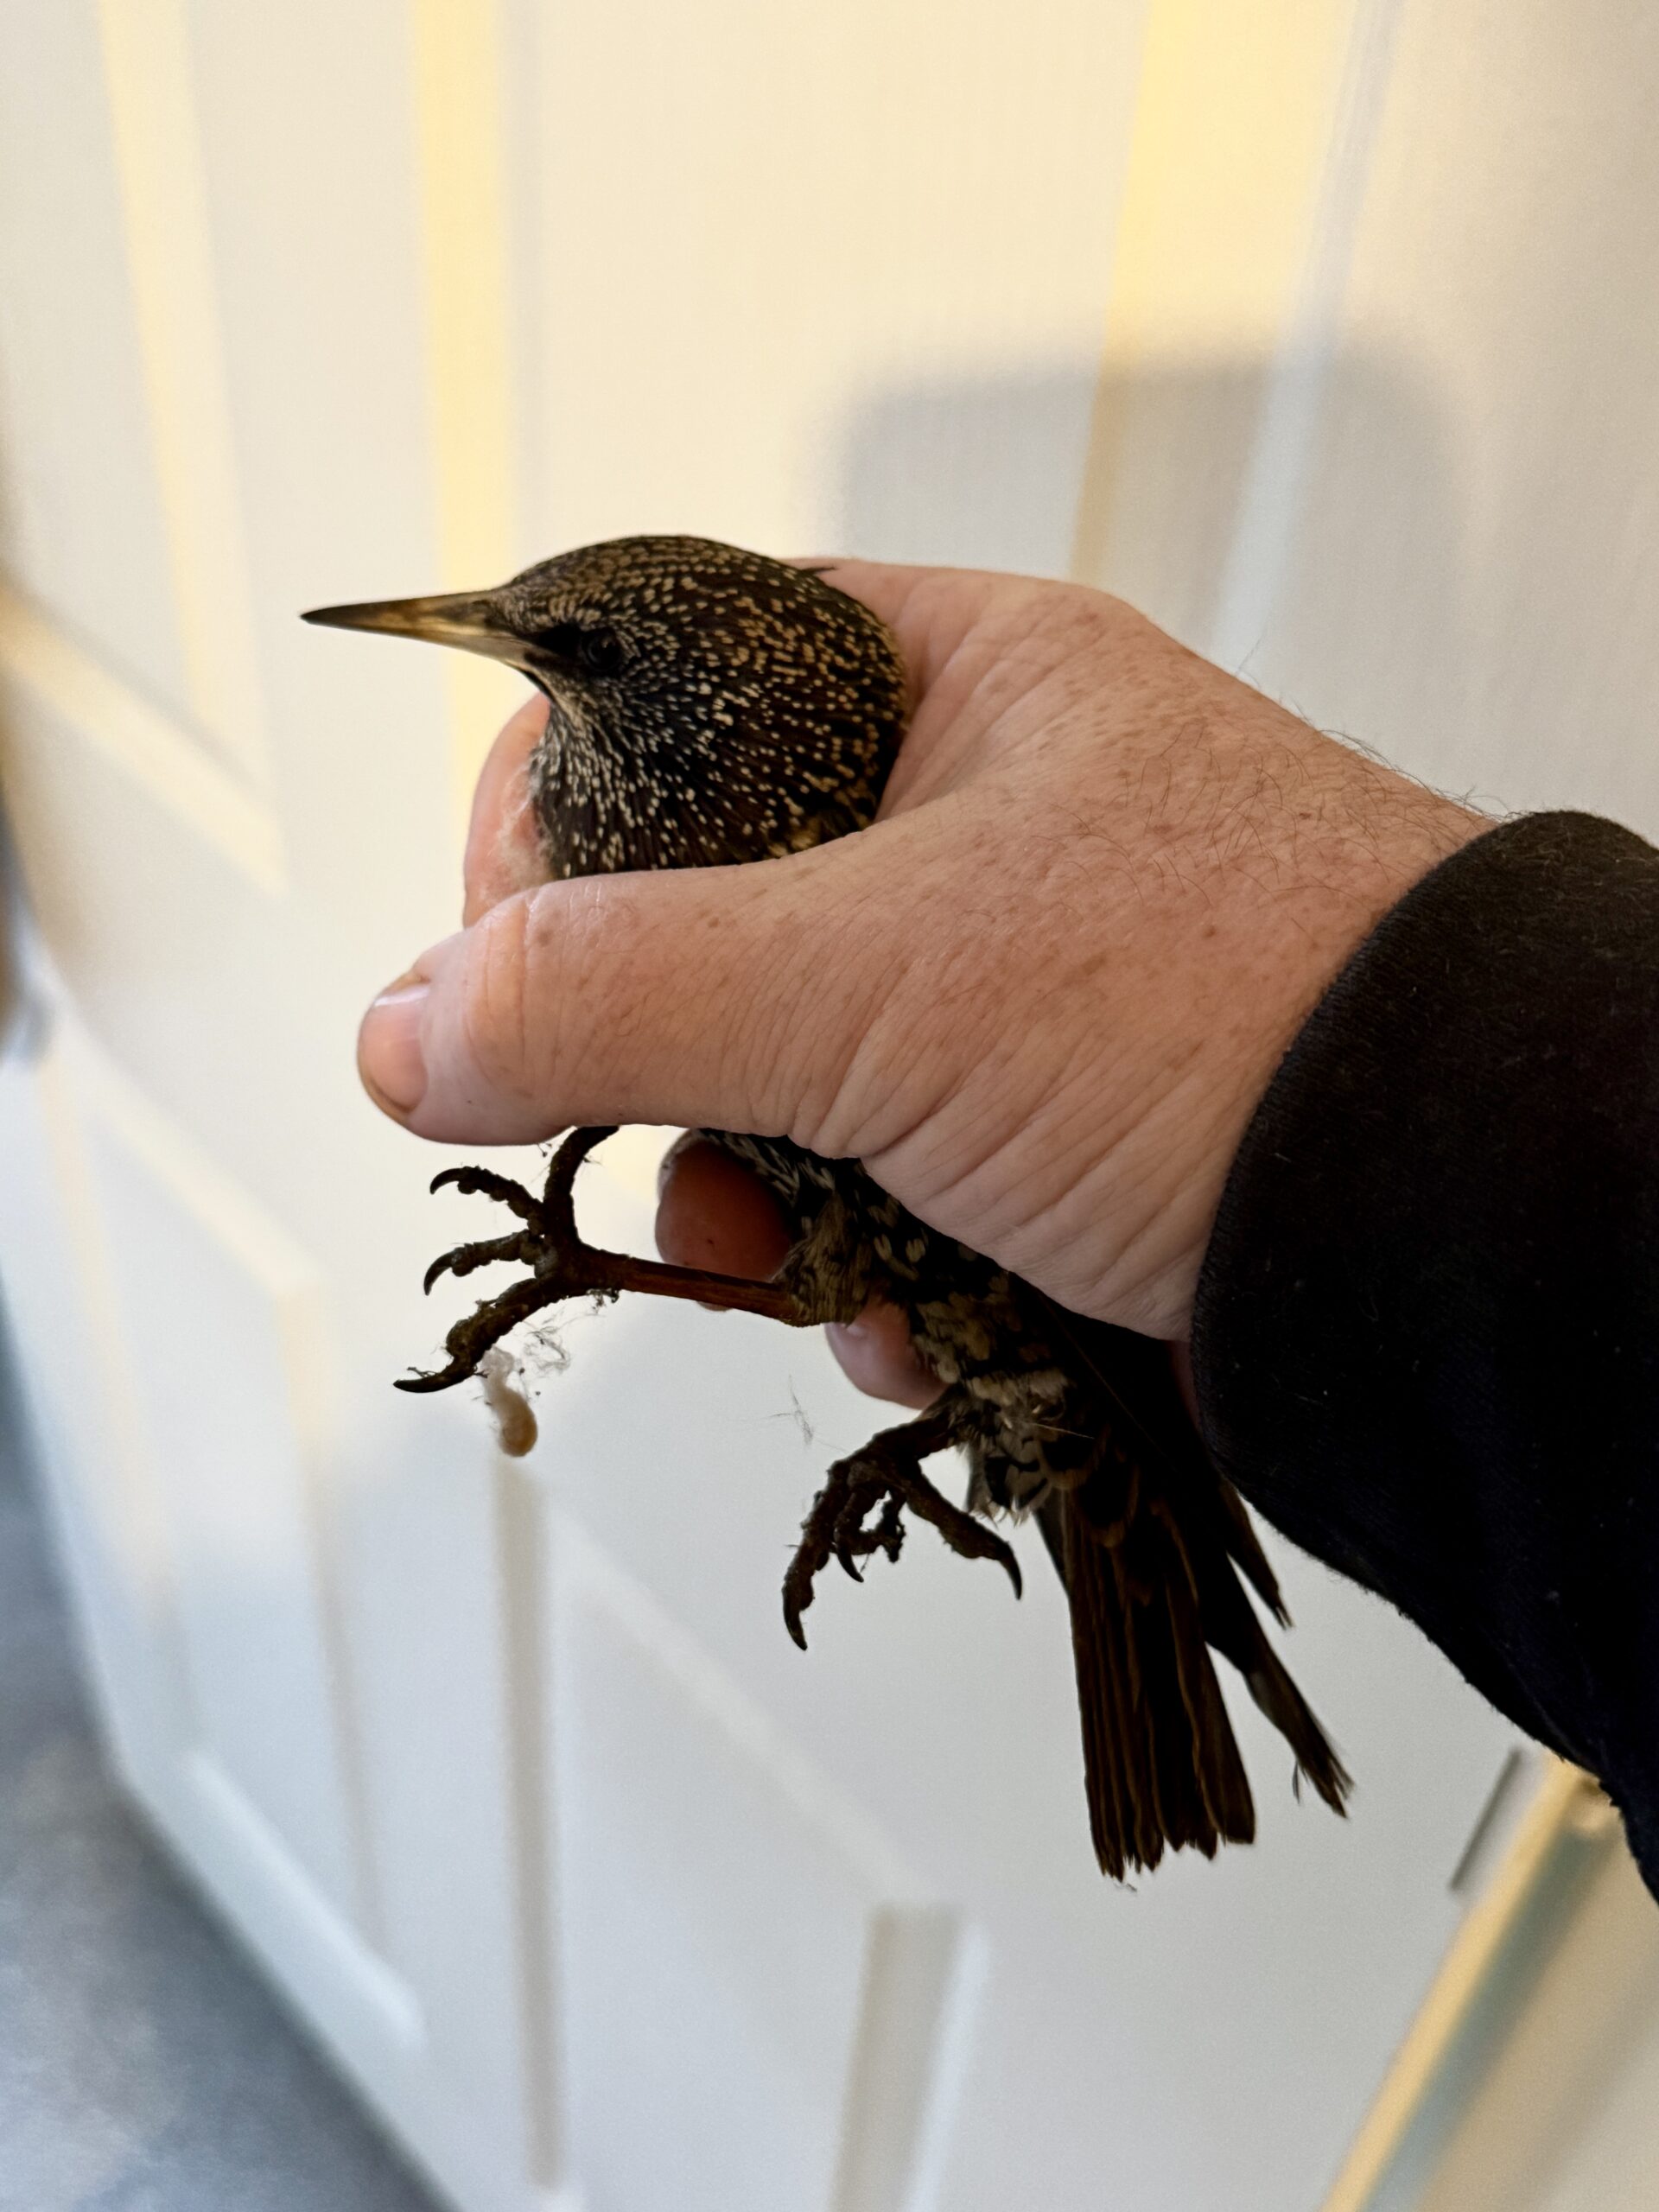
{"x":693,"y":996}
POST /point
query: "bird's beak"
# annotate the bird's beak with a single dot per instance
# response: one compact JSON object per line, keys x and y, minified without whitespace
{"x":471,"y":620}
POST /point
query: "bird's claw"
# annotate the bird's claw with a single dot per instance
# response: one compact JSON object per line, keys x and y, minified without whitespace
{"x":472,"y":1182}
{"x":466,"y":1258}
{"x":886,"y":1473}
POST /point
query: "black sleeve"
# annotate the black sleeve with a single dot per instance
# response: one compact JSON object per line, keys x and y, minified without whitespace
{"x":1426,"y":1335}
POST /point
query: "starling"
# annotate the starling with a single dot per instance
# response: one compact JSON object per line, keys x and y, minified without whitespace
{"x":711,"y":706}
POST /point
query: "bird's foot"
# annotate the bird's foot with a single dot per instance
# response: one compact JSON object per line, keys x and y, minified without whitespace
{"x":882,"y":1479}
{"x":565,"y":1266}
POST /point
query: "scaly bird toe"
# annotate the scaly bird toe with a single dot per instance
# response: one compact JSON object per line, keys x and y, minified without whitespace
{"x":886,"y":1473}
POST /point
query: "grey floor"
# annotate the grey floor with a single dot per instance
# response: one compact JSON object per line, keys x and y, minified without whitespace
{"x":143,"y":2066}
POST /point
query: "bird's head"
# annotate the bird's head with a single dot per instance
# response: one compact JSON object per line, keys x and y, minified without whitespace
{"x":707,"y":705}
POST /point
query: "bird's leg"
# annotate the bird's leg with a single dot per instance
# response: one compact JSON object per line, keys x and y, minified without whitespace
{"x":886,"y":1473}
{"x":565,"y":1266}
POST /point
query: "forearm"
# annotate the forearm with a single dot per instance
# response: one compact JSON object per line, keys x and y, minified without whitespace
{"x":1426,"y":1334}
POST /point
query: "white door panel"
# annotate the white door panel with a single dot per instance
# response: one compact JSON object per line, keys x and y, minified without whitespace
{"x":731,"y":1943}
{"x":84,"y":517}
{"x":1467,"y":581}
{"x":66,"y":1333}
{"x":223,"y":1404}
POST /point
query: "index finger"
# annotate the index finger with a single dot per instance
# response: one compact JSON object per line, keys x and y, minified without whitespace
{"x":504,"y":839}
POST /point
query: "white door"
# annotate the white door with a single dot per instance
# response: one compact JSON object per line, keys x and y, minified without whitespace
{"x":605,"y":1896}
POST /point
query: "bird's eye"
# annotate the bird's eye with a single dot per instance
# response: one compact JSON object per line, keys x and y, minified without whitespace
{"x":595,"y":648}
{"x":600,"y":653}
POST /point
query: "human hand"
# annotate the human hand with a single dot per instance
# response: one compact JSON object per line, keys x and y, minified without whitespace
{"x":1040,"y":998}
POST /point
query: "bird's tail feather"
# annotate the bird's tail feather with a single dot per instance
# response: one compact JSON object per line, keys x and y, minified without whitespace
{"x":1161,"y":1767}
{"x":1153,"y":1592}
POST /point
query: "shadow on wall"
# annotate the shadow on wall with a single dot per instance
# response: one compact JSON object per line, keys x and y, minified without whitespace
{"x":970,"y":471}
{"x":1306,"y":527}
